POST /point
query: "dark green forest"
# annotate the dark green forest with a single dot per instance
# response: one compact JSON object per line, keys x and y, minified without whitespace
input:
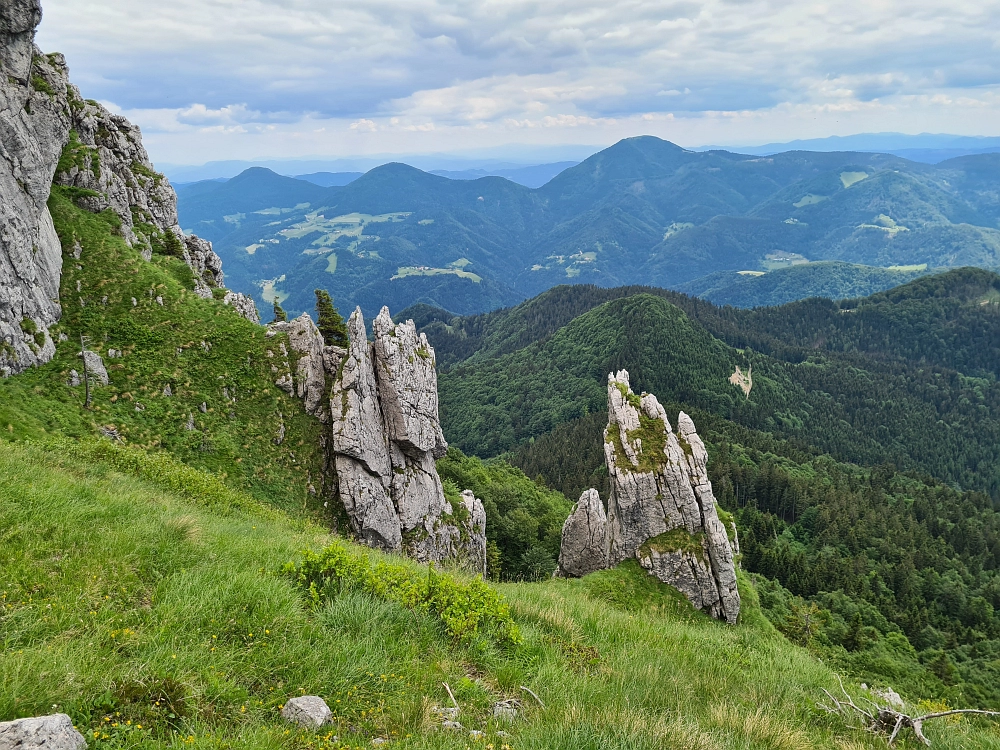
{"x":863,"y":469}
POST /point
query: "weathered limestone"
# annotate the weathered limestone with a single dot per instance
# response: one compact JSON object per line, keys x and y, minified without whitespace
{"x":585,"y":538}
{"x":43,"y":117}
{"x":34,"y":127}
{"x":310,"y":379}
{"x":55,"y":732}
{"x":95,"y":367}
{"x":381,"y":404}
{"x":243,"y":305}
{"x":408,"y":386}
{"x":308,"y":711}
{"x":661,"y":510}
{"x":205,"y":264}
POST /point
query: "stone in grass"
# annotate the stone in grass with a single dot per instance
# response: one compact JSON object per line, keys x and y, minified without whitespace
{"x":55,"y":732}
{"x":309,"y":711}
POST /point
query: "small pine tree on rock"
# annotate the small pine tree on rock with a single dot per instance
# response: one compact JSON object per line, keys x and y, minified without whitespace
{"x":280,"y":316}
{"x":330,"y":323}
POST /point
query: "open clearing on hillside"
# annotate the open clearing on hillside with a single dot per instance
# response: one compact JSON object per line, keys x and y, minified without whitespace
{"x":850,"y":178}
{"x":331,"y":230}
{"x":270,"y":291}
{"x":774,"y":261}
{"x":403,"y":271}
{"x":811,"y":200}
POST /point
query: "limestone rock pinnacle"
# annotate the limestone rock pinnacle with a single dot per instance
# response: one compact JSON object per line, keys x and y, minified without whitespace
{"x":661,"y":511}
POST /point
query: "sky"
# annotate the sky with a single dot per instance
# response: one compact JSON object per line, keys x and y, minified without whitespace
{"x":250,"y":79}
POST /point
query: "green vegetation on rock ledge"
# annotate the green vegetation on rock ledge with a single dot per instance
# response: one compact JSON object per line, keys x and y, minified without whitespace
{"x":197,"y":351}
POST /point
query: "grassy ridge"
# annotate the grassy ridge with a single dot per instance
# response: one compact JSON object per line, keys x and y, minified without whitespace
{"x":201,"y":349}
{"x":137,"y":606}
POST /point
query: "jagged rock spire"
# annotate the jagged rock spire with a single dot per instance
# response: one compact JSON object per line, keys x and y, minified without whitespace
{"x":661,"y":510}
{"x":385,"y":434}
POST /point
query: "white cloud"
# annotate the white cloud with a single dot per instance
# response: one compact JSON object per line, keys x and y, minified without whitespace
{"x":203,"y":69}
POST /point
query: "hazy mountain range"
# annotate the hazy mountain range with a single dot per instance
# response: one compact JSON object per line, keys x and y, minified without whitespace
{"x":642,"y":211}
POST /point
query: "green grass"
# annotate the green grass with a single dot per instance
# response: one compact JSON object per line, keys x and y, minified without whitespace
{"x":202,"y":349}
{"x":139,"y":606}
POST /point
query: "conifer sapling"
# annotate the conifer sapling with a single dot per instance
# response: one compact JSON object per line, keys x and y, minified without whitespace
{"x":330,"y":323}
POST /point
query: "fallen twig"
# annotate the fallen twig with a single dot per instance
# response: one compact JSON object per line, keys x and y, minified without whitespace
{"x":531,"y":692}
{"x":889,"y":721}
{"x":450,"y":694}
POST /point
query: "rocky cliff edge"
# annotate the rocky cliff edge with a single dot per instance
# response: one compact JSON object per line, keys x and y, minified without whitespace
{"x":50,"y":135}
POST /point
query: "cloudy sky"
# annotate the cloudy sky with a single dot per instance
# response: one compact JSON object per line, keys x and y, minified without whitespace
{"x":241,"y":79}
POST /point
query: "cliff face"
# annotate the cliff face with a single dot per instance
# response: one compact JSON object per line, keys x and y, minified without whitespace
{"x":661,"y":510}
{"x":50,"y":135}
{"x":34,"y":126}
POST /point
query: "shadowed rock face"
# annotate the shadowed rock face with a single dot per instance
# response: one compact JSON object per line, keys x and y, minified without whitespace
{"x":661,"y":510}
{"x":585,"y":542}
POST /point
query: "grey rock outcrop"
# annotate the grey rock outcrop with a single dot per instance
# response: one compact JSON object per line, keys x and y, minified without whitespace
{"x":54,"y":732}
{"x":18,"y":21}
{"x":586,"y":542}
{"x":408,"y":386}
{"x":204,"y":263}
{"x":381,"y":404}
{"x":310,"y":379}
{"x":309,"y":711}
{"x":95,"y":368}
{"x":34,"y":126}
{"x":242,"y":304}
{"x":661,"y":510}
{"x":50,"y":135}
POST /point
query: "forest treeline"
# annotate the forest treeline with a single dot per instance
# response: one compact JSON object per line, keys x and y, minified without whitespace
{"x":863,"y":469}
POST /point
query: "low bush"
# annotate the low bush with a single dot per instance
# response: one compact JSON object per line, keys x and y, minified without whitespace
{"x":467,"y":609}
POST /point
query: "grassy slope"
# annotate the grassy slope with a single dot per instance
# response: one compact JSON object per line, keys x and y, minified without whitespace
{"x":198,"y":347}
{"x":135,"y":604}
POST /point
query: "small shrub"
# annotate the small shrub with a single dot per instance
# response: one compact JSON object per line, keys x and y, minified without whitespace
{"x":467,"y":610}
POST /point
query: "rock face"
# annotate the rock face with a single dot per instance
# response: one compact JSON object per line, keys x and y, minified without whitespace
{"x":55,"y":732}
{"x":34,"y":127}
{"x":242,"y":304}
{"x":381,"y":404}
{"x":50,"y":134}
{"x":309,"y":711}
{"x":585,"y":540}
{"x":661,"y":510}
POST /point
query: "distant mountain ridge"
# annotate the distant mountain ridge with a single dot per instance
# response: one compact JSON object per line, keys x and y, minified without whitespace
{"x":643,"y":211}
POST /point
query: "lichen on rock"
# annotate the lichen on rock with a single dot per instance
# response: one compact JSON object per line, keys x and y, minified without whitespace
{"x":661,"y":510}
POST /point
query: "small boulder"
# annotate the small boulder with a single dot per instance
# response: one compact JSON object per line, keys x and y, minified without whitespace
{"x":309,"y":711}
{"x":55,"y":732}
{"x":95,"y":367}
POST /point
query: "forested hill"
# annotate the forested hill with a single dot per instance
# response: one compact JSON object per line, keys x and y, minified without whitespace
{"x":863,"y":467}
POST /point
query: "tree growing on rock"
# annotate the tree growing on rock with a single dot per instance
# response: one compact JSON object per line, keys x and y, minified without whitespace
{"x":280,"y":316}
{"x":330,"y":323}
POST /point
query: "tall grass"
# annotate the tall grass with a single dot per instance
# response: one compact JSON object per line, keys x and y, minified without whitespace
{"x":156,"y":621}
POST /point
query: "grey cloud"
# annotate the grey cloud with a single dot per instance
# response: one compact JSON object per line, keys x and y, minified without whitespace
{"x":366,"y":58}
